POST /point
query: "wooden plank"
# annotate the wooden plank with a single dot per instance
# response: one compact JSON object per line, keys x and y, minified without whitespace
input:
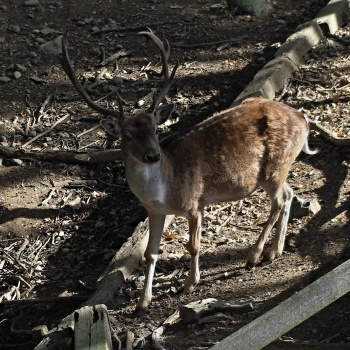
{"x":283,"y":345}
{"x":293,"y":311}
{"x":91,"y":329}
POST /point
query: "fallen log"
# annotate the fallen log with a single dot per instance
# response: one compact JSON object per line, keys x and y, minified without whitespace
{"x":121,"y":267}
{"x":63,"y":156}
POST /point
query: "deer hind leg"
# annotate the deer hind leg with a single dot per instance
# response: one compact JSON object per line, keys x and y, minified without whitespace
{"x":156,"y":226}
{"x":277,"y":202}
{"x":281,"y":227}
{"x":193,"y":246}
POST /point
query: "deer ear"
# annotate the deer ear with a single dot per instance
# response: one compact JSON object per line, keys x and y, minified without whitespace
{"x":163,"y":113}
{"x":111,"y":126}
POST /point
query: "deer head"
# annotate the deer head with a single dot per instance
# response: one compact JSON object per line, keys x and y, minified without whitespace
{"x":138,"y":132}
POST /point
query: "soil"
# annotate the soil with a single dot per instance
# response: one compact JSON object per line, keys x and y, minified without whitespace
{"x":56,"y":238}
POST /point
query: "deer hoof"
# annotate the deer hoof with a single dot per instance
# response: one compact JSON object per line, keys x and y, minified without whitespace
{"x":273,"y":254}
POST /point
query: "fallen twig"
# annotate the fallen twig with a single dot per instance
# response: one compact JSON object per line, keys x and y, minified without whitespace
{"x":338,"y":141}
{"x":89,"y":130}
{"x":46,"y":131}
{"x":45,"y":300}
{"x":47,"y":199}
{"x":42,"y":108}
{"x":116,"y":56}
{"x":135,"y":28}
{"x":160,"y":330}
{"x":191,"y":46}
{"x":63,"y":156}
{"x":337,"y":38}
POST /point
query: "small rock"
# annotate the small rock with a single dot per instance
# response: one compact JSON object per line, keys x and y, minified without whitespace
{"x":33,"y":54}
{"x":16,"y":29}
{"x":185,"y":258}
{"x":3,"y":8}
{"x":31,"y":3}
{"x":40,"y":40}
{"x":4,"y":79}
{"x":39,"y":129}
{"x":301,"y":207}
{"x":32,"y":133}
{"x":95,"y":29}
{"x":47,"y":30}
{"x":216,"y":7}
{"x":17,"y":74}
{"x":117,"y":81}
{"x":20,"y":67}
{"x":53,"y":47}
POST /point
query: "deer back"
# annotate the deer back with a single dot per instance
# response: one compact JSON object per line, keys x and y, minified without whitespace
{"x":232,"y":153}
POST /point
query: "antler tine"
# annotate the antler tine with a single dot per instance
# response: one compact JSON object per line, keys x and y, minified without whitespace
{"x":67,"y":67}
{"x":157,"y":100}
{"x":165,"y":52}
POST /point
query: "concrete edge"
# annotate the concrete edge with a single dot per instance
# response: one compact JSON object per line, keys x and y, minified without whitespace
{"x":275,"y":74}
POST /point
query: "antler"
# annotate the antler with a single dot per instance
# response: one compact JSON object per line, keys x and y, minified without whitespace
{"x":165,"y":52}
{"x":67,"y":67}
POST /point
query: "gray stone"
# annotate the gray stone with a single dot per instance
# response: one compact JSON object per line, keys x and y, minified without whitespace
{"x":4,"y":79}
{"x":16,"y":29}
{"x":117,"y":81}
{"x":31,"y":3}
{"x":303,"y":207}
{"x":254,"y":7}
{"x":20,"y":67}
{"x":54,"y":46}
{"x":17,"y":74}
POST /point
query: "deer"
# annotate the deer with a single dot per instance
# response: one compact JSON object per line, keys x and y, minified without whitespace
{"x":224,"y":158}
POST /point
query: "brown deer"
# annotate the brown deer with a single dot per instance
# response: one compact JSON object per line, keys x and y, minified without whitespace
{"x":225,"y":158}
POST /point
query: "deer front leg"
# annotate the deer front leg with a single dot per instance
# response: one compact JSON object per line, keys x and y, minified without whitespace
{"x":193,"y":246}
{"x":156,"y":226}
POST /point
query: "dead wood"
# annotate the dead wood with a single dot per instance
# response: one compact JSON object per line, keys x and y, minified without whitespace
{"x":63,"y":156}
{"x":331,"y":136}
{"x":213,"y":43}
{"x":46,"y":131}
{"x":136,"y":28}
{"x":116,"y":56}
{"x":120,"y":268}
{"x":160,"y":330}
{"x":47,"y":300}
{"x":130,"y":337}
{"x":122,"y":265}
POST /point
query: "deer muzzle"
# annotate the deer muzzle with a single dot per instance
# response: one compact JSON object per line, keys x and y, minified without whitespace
{"x":151,"y":156}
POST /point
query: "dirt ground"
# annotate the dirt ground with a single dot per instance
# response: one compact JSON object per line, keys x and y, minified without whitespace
{"x":56,"y":237}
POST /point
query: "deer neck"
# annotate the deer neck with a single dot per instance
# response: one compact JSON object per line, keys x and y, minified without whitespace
{"x":149,"y":181}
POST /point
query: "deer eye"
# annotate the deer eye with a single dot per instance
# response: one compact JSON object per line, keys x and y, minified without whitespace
{"x":127,"y":138}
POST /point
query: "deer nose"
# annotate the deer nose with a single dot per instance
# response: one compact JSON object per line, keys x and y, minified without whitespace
{"x":151,"y":156}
